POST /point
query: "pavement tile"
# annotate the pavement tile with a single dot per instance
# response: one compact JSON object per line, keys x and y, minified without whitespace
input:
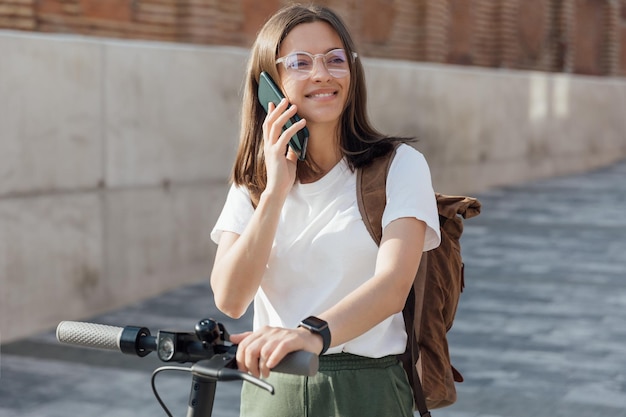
{"x":539,"y":331}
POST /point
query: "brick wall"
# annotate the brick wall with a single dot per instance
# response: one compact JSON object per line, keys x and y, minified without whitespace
{"x":578,"y":36}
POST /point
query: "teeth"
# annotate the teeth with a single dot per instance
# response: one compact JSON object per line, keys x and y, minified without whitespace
{"x":323,"y":95}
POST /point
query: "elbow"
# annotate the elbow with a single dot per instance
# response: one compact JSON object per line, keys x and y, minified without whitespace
{"x":233,"y":313}
{"x":229,"y":305}
{"x":230,"y":310}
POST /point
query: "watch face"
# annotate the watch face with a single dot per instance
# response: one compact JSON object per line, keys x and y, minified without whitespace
{"x":315,"y":322}
{"x":319,"y":326}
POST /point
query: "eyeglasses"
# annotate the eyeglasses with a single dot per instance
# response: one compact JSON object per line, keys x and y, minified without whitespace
{"x":300,"y":64}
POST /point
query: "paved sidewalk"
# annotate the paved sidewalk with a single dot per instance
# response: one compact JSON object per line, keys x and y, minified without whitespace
{"x":541,"y":328}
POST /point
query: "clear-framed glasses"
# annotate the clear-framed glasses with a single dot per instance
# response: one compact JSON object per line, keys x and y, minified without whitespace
{"x":300,"y":64}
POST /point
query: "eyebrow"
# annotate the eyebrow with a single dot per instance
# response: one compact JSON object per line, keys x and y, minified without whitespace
{"x":323,"y":53}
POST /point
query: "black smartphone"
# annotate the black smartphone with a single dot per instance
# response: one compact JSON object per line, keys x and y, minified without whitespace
{"x":269,"y":92}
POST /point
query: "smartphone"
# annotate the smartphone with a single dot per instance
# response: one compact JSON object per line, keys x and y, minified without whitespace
{"x":269,"y":92}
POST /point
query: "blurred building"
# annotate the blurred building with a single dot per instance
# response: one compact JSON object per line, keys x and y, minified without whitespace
{"x":571,"y":36}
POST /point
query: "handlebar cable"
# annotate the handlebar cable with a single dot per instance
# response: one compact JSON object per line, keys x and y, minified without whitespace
{"x":208,"y":348}
{"x":153,"y":384}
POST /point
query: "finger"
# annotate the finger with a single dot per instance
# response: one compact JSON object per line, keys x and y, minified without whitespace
{"x":267,"y":352}
{"x":274,"y":110}
{"x":239,"y":337}
{"x":285,"y":115}
{"x":249,"y":351}
{"x":283,"y":140}
{"x":252,"y":366}
{"x":275,"y":120}
{"x":289,"y":341}
{"x":282,"y":105}
{"x":264,"y":368}
{"x":260,"y":349}
{"x":275,"y":358}
{"x":243,"y":340}
{"x":267,"y":122}
{"x":276,"y":126}
{"x":252,"y":357}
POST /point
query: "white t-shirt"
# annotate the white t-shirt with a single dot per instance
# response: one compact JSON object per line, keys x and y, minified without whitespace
{"x":322,"y":250}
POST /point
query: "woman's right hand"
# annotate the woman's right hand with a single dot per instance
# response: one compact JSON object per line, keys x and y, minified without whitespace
{"x":280,"y":160}
{"x":241,"y":260}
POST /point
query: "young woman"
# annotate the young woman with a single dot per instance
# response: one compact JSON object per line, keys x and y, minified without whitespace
{"x":291,"y":239}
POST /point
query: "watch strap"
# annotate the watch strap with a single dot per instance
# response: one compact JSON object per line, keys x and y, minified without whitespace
{"x":318,"y":326}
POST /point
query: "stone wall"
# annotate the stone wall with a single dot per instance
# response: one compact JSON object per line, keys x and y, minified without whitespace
{"x":115,"y":156}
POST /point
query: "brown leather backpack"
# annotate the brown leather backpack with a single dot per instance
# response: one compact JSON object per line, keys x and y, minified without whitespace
{"x":439,"y":281}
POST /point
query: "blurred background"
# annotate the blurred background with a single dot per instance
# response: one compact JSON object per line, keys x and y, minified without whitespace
{"x":119,"y":121}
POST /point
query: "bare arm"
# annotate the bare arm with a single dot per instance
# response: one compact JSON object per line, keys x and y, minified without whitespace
{"x":383,"y":295}
{"x":240,"y":261}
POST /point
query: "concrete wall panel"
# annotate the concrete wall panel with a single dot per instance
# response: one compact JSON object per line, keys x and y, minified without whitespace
{"x":158,"y":239}
{"x":484,"y":128}
{"x":171,"y":113}
{"x":50,"y":113}
{"x":50,"y":261}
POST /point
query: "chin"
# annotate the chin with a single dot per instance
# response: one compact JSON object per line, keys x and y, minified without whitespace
{"x":323,"y":117}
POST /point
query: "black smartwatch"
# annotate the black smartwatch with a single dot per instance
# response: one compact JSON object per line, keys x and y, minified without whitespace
{"x":318,"y":326}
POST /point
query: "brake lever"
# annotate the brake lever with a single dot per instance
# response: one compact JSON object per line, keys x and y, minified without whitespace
{"x":223,"y":367}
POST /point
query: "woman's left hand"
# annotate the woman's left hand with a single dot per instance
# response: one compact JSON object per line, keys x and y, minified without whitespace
{"x":258,"y":352}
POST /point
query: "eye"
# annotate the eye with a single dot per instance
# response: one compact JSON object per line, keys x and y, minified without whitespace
{"x":298,"y":62}
{"x":336,"y":59}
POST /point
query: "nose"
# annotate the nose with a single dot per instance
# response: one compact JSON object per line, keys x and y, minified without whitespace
{"x":319,"y":72}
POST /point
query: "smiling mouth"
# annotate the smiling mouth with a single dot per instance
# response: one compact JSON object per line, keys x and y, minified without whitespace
{"x":321,"y":95}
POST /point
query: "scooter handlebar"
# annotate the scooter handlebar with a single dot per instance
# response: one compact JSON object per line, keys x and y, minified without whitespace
{"x":99,"y":336}
{"x":137,"y":340}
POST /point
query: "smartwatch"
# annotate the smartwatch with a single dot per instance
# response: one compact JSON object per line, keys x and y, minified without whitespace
{"x":318,"y":326}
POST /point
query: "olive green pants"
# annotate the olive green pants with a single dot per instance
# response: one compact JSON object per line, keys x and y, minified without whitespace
{"x":345,"y":386}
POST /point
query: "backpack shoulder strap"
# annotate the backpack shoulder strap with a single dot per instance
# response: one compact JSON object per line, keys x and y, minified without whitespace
{"x":371,"y":193}
{"x":372,"y":199}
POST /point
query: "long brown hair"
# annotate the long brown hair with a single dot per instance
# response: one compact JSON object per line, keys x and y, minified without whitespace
{"x":359,"y":141}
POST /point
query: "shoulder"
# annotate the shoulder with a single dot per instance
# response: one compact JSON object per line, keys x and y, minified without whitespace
{"x":238,"y":199}
{"x":236,"y":213}
{"x":407,"y":151}
{"x":410,"y":192}
{"x":408,"y":158}
{"x":239,"y":191}
{"x":401,"y":163}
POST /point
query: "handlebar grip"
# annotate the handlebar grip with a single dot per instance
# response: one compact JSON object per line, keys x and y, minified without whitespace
{"x":93,"y":335}
{"x":299,"y":363}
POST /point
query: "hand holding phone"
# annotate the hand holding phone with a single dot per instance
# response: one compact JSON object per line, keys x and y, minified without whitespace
{"x":269,"y":92}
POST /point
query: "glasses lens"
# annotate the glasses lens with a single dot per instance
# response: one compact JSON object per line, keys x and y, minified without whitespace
{"x":300,"y":64}
{"x":336,"y":63}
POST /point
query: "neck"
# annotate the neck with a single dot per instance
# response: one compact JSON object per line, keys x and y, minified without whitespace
{"x":324,"y":150}
{"x":324,"y":145}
